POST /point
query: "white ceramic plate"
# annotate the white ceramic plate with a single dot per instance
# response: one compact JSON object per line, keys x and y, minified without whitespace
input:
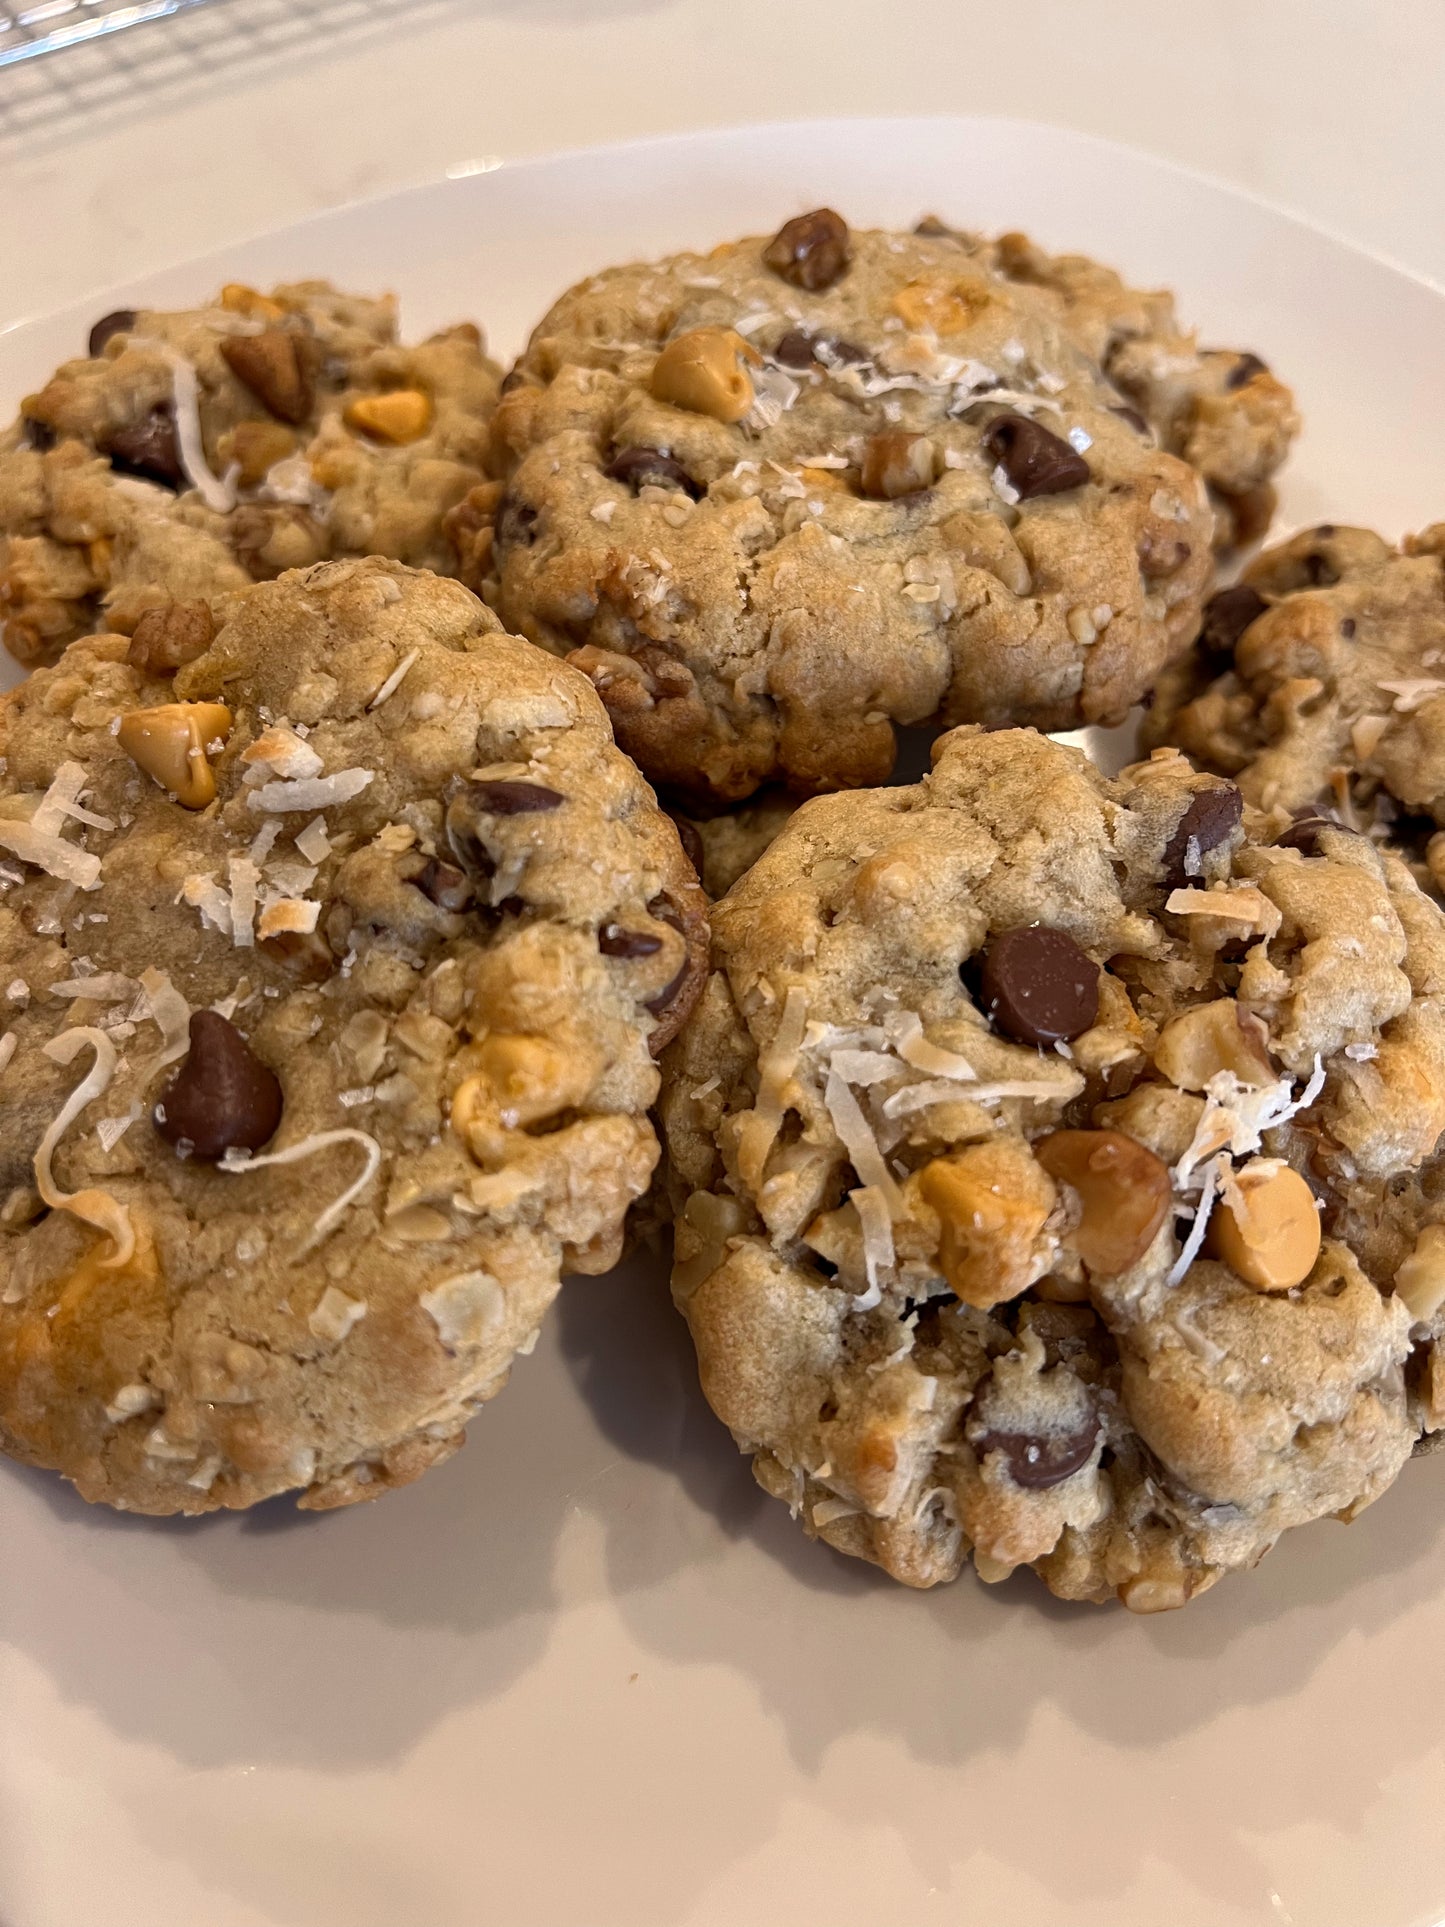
{"x":586,"y":1675}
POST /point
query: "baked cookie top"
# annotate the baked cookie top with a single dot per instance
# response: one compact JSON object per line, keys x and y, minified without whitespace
{"x":999,"y":1141}
{"x":332,"y":949}
{"x":779,"y":498}
{"x":192,"y":453}
{"x":1318,"y":682}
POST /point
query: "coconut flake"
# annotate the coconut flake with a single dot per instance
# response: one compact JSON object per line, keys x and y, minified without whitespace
{"x":288,"y":916}
{"x":168,"y":1010}
{"x":1241,"y":903}
{"x":313,"y":843}
{"x":93,"y":1207}
{"x":774,"y":392}
{"x":1195,"y":1241}
{"x":280,"y":750}
{"x":776,"y":1067}
{"x":105,"y":987}
{"x":906,"y":1029}
{"x":216,"y":494}
{"x":863,"y":1067}
{"x":856,"y":1135}
{"x":110,"y":1130}
{"x":238,"y":1162}
{"x":827,"y":1512}
{"x":394,"y":680}
{"x":8,"y":1046}
{"x":876,"y":1221}
{"x":262,"y":842}
{"x":245,"y":877}
{"x":203,"y":893}
{"x":921,"y":1097}
{"x":50,"y":853}
{"x":312,"y":793}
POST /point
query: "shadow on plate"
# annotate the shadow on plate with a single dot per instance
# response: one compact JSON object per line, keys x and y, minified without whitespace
{"x":960,"y":1678}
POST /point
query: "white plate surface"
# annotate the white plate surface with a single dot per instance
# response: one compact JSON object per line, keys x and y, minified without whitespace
{"x":586,"y":1675}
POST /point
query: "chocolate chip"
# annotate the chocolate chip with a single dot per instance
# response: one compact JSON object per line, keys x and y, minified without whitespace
{"x":938,"y":1302}
{"x":515,"y":526}
{"x":223,"y":1097}
{"x":690,"y":839}
{"x":271,"y":366}
{"x":1227,"y":615}
{"x":1304,"y":833}
{"x":1036,"y":1460}
{"x":614,"y":941}
{"x":1319,"y":571}
{"x":1035,"y":461}
{"x":640,"y":468}
{"x":1037,"y":985}
{"x":811,"y":251}
{"x":798,"y":349}
{"x":469,"y":809}
{"x":446,"y":886}
{"x":1131,"y":415}
{"x":1245,"y":369}
{"x":119,"y":323}
{"x":1210,"y":819}
{"x":666,"y":911}
{"x":150,"y":449}
{"x":38,"y":435}
{"x":506,"y":797}
{"x":1347,"y":628}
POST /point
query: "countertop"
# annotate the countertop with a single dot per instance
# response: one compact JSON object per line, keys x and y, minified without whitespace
{"x":246,"y":114}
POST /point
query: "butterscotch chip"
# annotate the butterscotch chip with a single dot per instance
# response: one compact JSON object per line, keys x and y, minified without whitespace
{"x":333,"y":1063}
{"x":1033,"y":1208}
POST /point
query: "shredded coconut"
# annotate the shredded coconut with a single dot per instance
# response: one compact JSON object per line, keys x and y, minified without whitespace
{"x":1412,"y":692}
{"x":313,"y":842}
{"x":313,"y":793}
{"x":1239,"y":903}
{"x":245,"y":878}
{"x":289,"y":916}
{"x":394,"y":680}
{"x":906,"y":1029}
{"x":218,"y":495}
{"x":878,"y":1256}
{"x":8,"y":1045}
{"x":776,"y":1066}
{"x":168,"y":1010}
{"x":105,"y":987}
{"x":282,"y":751}
{"x":856,"y":1135}
{"x":50,"y":852}
{"x":239,"y":1162}
{"x":203,"y":893}
{"x":920,"y":1097}
{"x":92,"y":1207}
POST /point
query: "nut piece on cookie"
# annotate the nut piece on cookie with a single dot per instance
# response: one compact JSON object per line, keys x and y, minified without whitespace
{"x":780,"y":499}
{"x":347,"y":940}
{"x":1037,"y":1208}
{"x":191,"y":453}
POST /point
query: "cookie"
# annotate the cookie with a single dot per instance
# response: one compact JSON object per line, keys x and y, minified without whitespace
{"x":724,"y":845}
{"x":1318,"y":684}
{"x":333,"y":957}
{"x":781,"y":498}
{"x":1023,"y":1148}
{"x":190,"y":454}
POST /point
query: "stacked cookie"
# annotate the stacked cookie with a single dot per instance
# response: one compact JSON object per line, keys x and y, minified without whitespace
{"x":1051,"y":1156}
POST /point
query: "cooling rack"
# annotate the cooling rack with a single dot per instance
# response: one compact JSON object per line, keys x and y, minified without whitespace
{"x":27,"y":32}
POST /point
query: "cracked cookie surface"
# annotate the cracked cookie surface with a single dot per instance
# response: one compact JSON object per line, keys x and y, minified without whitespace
{"x":778,"y":499}
{"x":1053,"y":1176}
{"x":1318,"y":684}
{"x":192,"y":453}
{"x":334,"y":950}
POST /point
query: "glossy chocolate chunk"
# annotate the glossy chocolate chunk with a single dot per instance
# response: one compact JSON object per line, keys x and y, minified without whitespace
{"x":223,"y":1098}
{"x":1037,"y":985}
{"x":1211,"y":819}
{"x":1034,"y":459}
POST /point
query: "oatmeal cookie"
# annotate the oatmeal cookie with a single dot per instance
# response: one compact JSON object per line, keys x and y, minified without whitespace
{"x":334,"y":951}
{"x":190,"y":454}
{"x":1318,"y":683}
{"x":778,"y":499}
{"x":1023,"y":1148}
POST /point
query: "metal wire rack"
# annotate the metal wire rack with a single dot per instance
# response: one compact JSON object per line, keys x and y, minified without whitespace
{"x":68,"y":65}
{"x":53,"y":24}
